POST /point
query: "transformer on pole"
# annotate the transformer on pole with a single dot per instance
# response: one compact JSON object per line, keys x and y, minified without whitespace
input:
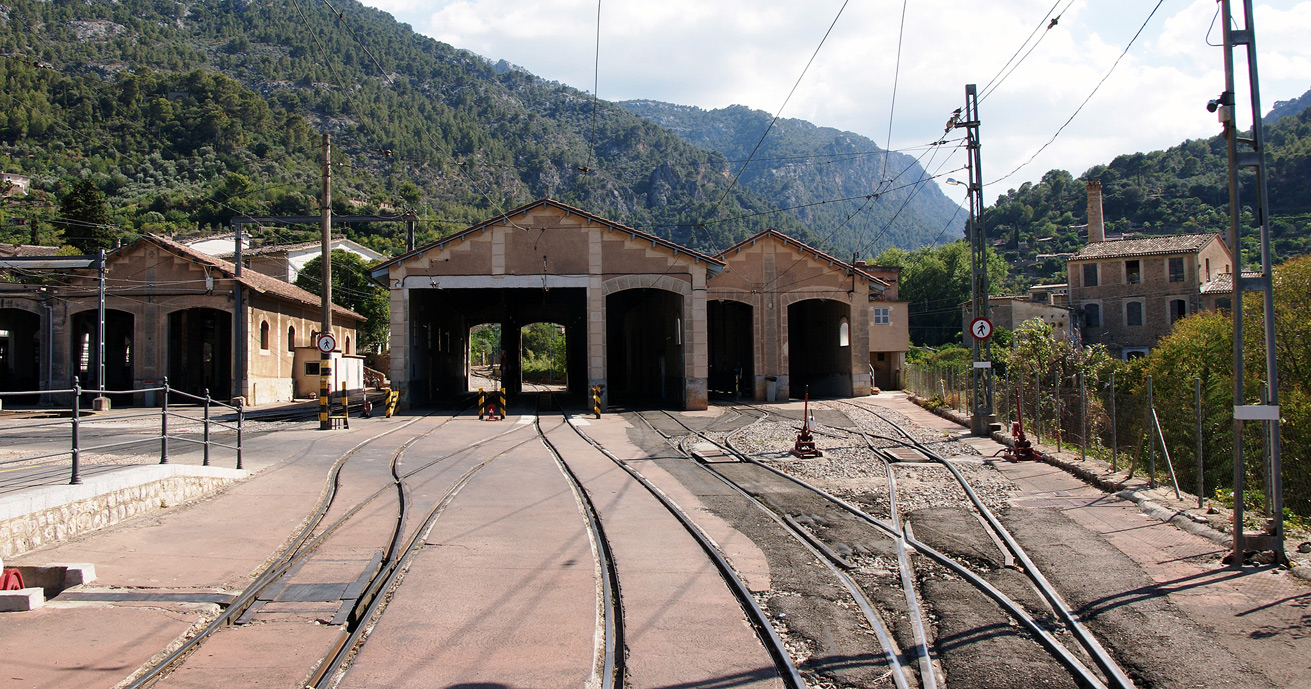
{"x":982,"y":419}
{"x":1249,"y":152}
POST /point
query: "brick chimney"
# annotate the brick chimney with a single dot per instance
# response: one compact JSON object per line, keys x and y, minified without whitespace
{"x":1096,"y":226}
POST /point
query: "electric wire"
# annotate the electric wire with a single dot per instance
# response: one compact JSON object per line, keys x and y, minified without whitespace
{"x":1085,"y":100}
{"x":998,"y":78}
{"x":779,"y":113}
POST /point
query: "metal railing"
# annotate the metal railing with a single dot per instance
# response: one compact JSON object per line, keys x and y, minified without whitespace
{"x":1091,"y":417}
{"x":206,"y":405}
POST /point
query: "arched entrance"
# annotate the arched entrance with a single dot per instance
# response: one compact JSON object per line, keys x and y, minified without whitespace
{"x":644,"y":347}
{"x":819,"y":348}
{"x":20,"y":351}
{"x":119,"y":351}
{"x":200,"y":352}
{"x":731,"y":347}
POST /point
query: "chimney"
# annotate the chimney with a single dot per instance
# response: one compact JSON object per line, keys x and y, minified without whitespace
{"x":1096,"y":226}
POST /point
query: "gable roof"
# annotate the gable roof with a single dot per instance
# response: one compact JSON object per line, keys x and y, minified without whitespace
{"x":803,"y":248}
{"x":252,"y":280}
{"x":1151,"y":246}
{"x":27,"y":250}
{"x":715,"y":265}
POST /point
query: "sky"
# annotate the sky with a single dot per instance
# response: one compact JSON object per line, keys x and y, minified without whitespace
{"x":752,"y":52}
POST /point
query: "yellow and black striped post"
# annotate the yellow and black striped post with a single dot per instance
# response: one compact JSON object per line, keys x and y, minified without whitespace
{"x":325,"y":393}
{"x":482,"y":404}
{"x":596,"y":400}
{"x":393,"y":398}
{"x":345,"y":407}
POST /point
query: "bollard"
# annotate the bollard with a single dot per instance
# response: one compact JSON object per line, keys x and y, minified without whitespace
{"x":1201,"y":464}
{"x":596,"y":400}
{"x":1151,"y":456}
{"x":205,"y":461}
{"x":502,"y":401}
{"x":241,"y":417}
{"x":76,"y":480}
{"x":345,"y":407}
{"x":482,"y":404}
{"x":163,"y":426}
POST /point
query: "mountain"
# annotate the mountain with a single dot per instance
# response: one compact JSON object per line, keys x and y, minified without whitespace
{"x":803,"y":168}
{"x":187,"y":114}
{"x":1284,"y":108}
{"x":1183,"y":189}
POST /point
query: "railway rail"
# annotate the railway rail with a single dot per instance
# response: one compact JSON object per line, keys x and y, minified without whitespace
{"x":905,"y":543}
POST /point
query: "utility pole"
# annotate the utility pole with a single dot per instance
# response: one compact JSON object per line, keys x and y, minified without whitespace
{"x":983,"y":418}
{"x":1251,"y":155}
{"x":100,"y":336}
{"x":325,"y":231}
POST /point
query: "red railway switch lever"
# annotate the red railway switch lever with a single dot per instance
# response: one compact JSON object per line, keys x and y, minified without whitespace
{"x":805,"y":445}
{"x":1023,"y":449}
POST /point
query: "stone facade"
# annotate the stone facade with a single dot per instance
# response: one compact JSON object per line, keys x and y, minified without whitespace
{"x":1011,"y":312}
{"x":29,"y":530}
{"x":1130,"y":292}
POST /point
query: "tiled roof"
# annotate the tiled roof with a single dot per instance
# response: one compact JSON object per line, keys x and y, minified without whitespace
{"x":1151,"y":246}
{"x":253,"y":280}
{"x":1224,"y":282}
{"x":27,"y":250}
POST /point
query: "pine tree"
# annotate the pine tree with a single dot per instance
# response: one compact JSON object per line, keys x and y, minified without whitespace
{"x":86,"y":218}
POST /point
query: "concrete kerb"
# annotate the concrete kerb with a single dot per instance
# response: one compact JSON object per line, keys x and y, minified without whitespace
{"x":1180,"y":519}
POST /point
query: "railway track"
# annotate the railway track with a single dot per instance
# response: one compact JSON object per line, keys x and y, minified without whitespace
{"x":768,"y":636}
{"x":348,"y":499}
{"x":780,"y":492}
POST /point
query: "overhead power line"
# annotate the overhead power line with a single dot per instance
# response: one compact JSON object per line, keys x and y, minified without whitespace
{"x":1085,"y":100}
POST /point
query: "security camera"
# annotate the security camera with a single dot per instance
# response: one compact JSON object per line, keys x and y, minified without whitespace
{"x":1213,"y":105}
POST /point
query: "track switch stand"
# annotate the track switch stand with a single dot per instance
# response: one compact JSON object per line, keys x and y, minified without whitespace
{"x":805,"y":445}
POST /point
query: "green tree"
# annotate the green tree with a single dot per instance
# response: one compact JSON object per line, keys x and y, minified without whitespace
{"x":352,"y":288}
{"x":936,"y":281}
{"x":86,"y":218}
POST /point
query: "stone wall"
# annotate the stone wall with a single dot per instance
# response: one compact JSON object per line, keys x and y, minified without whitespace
{"x":25,"y":532}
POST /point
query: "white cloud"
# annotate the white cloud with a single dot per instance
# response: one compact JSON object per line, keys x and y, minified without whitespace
{"x":714,"y":54}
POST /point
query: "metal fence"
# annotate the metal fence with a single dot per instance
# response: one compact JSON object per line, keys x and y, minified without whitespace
{"x":215,"y":418}
{"x":1183,"y":438}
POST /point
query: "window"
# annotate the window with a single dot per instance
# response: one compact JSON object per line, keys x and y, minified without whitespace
{"x":1208,"y":270}
{"x":1178,"y":309}
{"x":1090,"y":275}
{"x":348,"y":345}
{"x":311,"y":368}
{"x":1177,"y":269}
{"x":881,"y":315}
{"x":1092,"y":315}
{"x":1133,"y":313}
{"x":1133,"y":272}
{"x":1223,"y":303}
{"x":844,"y":333}
{"x":264,"y":335}
{"x":291,"y":338}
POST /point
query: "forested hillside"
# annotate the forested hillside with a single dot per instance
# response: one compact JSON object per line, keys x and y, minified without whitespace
{"x":185,"y":114}
{"x":800,"y":166}
{"x":1182,"y":189}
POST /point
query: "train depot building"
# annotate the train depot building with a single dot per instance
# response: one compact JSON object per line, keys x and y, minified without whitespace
{"x":647,"y":320}
{"x":170,"y":311}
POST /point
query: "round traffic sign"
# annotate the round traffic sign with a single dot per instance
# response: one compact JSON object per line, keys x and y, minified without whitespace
{"x":326,"y":343}
{"x":981,"y":328}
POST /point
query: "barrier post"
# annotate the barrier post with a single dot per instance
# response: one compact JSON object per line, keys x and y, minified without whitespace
{"x":205,"y":461}
{"x":596,"y":400}
{"x":163,"y":426}
{"x":76,"y":479}
{"x":241,"y":417}
{"x":482,"y":404}
{"x":345,"y":407}
{"x":502,"y":401}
